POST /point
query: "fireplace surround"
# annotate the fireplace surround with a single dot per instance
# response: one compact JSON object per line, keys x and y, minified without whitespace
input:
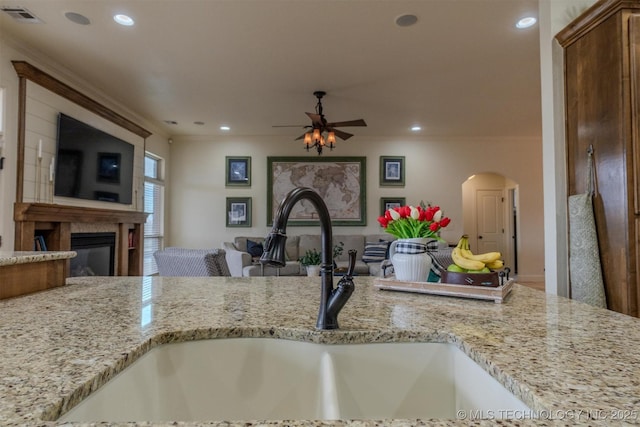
{"x":57,"y":223}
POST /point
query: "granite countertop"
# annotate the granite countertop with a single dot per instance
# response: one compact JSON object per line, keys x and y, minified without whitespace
{"x":569,"y":362}
{"x":24,"y":257}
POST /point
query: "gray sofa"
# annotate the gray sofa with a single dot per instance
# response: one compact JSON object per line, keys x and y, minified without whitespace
{"x":183,"y":262}
{"x":241,"y":263}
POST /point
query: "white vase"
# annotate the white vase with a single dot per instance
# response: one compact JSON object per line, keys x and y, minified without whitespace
{"x":410,"y":259}
{"x":313,"y":270}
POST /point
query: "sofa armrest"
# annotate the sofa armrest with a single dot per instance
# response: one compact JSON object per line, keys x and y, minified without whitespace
{"x":236,"y":259}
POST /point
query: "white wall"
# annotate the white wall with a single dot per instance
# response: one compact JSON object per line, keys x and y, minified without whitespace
{"x":435,"y":171}
{"x":42,"y":108}
{"x":9,"y":81}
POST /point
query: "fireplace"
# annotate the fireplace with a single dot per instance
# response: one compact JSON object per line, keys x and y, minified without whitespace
{"x":96,"y":254}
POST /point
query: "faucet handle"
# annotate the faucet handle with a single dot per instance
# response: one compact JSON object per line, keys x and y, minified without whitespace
{"x":352,"y":262}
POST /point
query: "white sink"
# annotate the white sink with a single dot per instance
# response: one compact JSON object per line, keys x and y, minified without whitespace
{"x":270,"y":379}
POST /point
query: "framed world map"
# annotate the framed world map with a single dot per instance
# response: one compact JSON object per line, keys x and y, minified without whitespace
{"x":340,"y":181}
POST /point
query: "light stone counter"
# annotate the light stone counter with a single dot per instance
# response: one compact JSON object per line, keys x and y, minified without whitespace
{"x":25,"y":257}
{"x":565,"y":360}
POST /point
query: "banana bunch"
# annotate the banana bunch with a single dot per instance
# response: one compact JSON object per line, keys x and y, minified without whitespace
{"x":466,"y":261}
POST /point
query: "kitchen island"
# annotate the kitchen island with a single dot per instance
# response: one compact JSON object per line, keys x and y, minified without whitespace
{"x":24,"y":272}
{"x":569,"y":362}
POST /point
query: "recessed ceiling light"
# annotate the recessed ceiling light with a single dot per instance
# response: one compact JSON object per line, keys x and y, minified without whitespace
{"x":416,"y":128}
{"x":526,"y":22}
{"x":199,"y":123}
{"x":124,"y":20}
{"x":406,"y":20}
{"x":225,"y":128}
{"x":171,"y":122}
{"x":77,"y":18}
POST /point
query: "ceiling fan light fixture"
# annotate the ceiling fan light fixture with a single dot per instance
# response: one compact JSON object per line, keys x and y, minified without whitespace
{"x":321,"y":132}
{"x":331,"y":138}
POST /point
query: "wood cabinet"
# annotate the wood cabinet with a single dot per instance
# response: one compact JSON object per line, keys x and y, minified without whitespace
{"x":602,"y":92}
{"x":54,"y":223}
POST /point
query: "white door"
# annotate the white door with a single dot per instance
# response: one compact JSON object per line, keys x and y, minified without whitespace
{"x":490,"y":221}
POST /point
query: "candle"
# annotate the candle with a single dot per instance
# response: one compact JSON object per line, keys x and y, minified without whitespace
{"x":39,"y":149}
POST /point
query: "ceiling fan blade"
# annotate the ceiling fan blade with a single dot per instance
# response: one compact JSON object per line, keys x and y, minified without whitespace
{"x":358,"y":122}
{"x":290,"y":126}
{"x":300,"y":137}
{"x":315,"y":118}
{"x":340,"y":134}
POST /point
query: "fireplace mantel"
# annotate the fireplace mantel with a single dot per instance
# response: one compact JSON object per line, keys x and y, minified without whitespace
{"x":63,"y":213}
{"x":53,"y":222}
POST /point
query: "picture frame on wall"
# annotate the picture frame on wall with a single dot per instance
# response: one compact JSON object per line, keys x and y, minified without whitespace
{"x":392,"y":171}
{"x":238,"y":212}
{"x":340,"y":181}
{"x":387,"y":203}
{"x":238,"y":171}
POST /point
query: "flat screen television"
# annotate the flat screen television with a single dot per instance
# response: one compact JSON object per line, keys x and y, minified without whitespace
{"x":91,"y":164}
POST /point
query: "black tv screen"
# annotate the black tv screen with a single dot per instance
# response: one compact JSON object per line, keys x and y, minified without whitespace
{"x":91,"y":164}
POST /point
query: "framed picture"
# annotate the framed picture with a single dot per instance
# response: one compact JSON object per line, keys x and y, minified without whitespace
{"x":109,"y":168}
{"x":390,"y":203}
{"x":392,"y":171}
{"x":340,"y":181}
{"x":238,"y":211}
{"x":238,"y":171}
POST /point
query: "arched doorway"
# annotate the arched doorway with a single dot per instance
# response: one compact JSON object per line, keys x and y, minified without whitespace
{"x":490,"y":215}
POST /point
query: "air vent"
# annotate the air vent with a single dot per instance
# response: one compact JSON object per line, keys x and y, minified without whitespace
{"x":21,"y":14}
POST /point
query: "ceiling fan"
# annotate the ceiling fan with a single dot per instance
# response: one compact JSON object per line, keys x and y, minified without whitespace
{"x":320,"y":126}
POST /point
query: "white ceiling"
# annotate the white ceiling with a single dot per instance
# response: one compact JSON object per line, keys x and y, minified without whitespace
{"x":463,"y":70}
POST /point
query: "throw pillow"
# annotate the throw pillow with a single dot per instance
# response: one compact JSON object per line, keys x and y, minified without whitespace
{"x":255,"y":249}
{"x":375,"y":251}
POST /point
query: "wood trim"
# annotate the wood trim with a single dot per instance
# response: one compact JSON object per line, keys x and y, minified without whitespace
{"x":43,"y":212}
{"x":28,"y":71}
{"x":24,"y":236}
{"x":22,"y":113}
{"x":634,"y":81}
{"x":591,"y":18}
{"x":123,"y":252}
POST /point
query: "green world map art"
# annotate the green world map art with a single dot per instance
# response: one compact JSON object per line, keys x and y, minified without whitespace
{"x":340,"y":181}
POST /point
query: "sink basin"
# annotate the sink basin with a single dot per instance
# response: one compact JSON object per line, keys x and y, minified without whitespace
{"x":270,"y":379}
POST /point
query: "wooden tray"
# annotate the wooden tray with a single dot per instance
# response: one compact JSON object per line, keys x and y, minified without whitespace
{"x":447,"y":289}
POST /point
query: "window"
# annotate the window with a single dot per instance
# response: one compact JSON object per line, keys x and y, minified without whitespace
{"x":153,"y":205}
